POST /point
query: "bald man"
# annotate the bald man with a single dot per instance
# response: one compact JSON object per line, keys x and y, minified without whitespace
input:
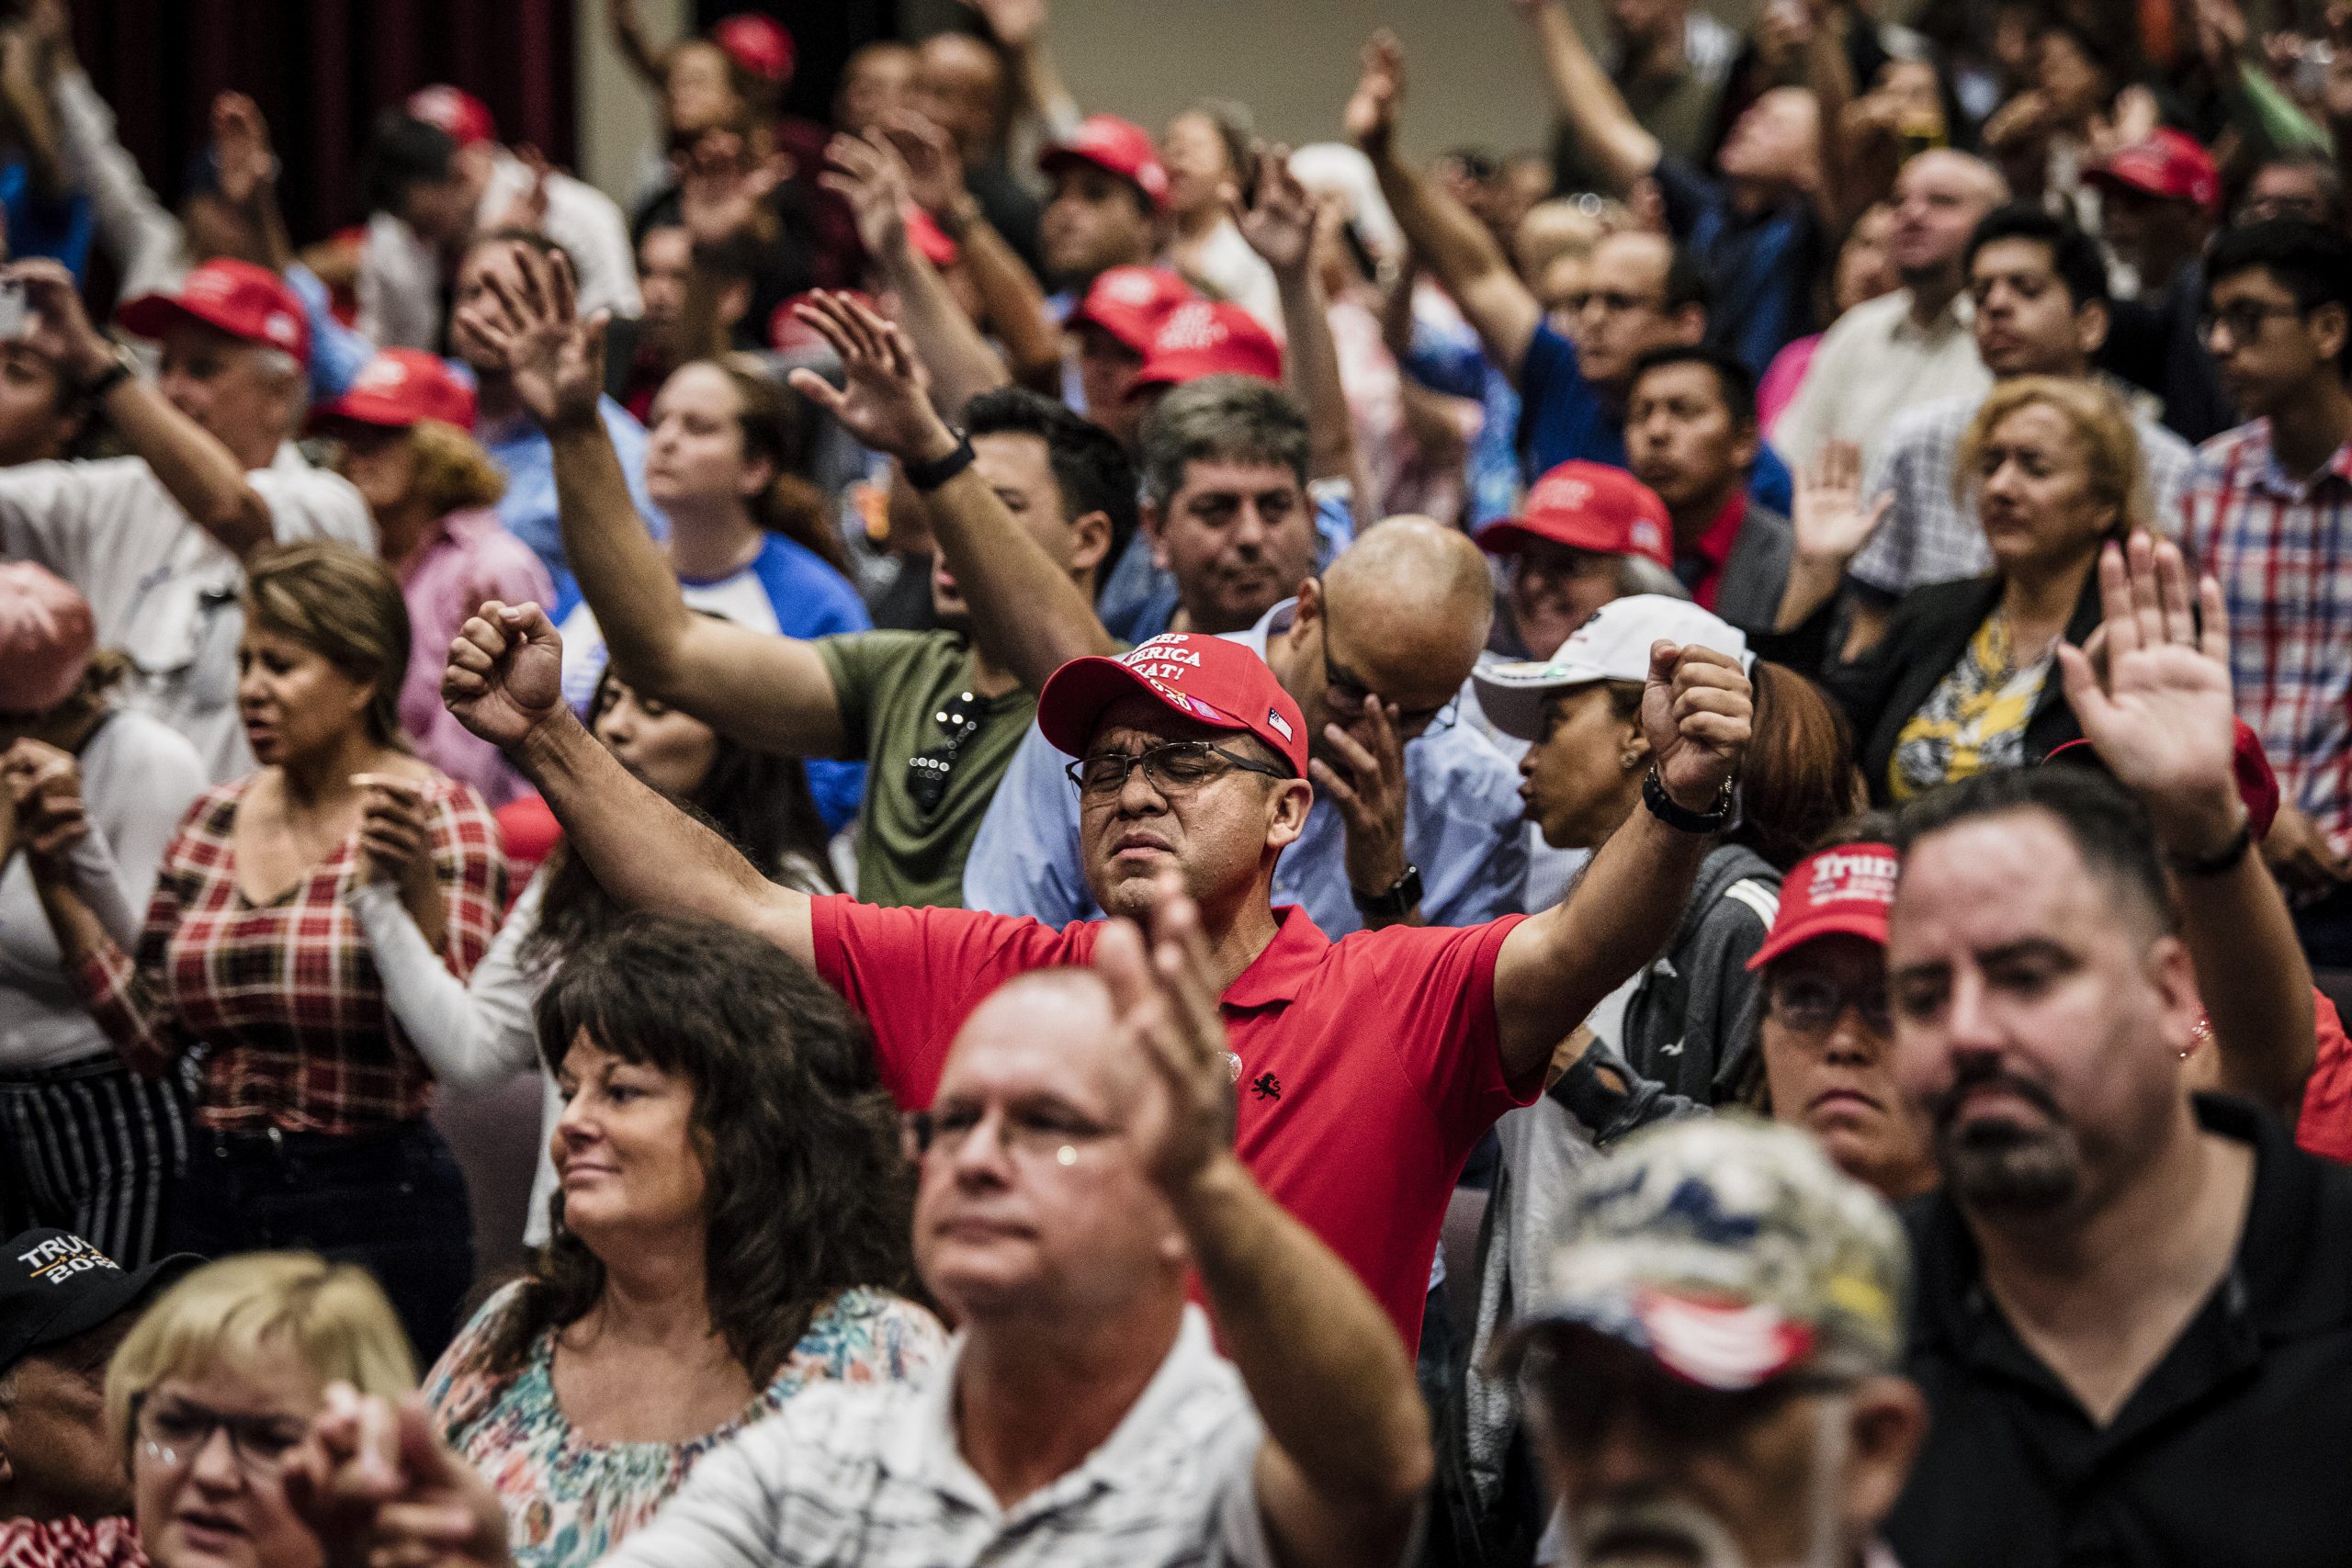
{"x":1416,"y":819}
{"x":1916,"y":345}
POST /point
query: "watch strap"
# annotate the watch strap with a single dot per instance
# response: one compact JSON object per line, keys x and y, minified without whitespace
{"x":1394,"y":902}
{"x":1681,"y":817}
{"x":939,"y":470}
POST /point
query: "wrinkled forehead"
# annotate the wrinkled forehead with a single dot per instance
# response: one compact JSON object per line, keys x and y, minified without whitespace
{"x":1046,"y":1034}
{"x":1135,"y":722}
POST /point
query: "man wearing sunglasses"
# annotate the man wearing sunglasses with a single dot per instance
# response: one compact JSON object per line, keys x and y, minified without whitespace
{"x":1711,"y":1370}
{"x":1416,"y":819}
{"x":64,"y":1306}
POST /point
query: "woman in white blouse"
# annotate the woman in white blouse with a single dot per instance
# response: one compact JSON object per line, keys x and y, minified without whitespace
{"x":85,"y":1144}
{"x":478,"y":1033}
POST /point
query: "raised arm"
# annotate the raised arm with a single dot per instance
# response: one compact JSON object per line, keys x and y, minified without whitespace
{"x":1450,"y":241}
{"x":2161,"y":721}
{"x":1012,"y":303}
{"x":766,"y":691}
{"x":868,"y":173}
{"x":627,"y":27}
{"x":1026,"y":612}
{"x":1612,"y":140}
{"x":203,"y":476}
{"x":1832,"y":523}
{"x":505,"y":682}
{"x":1554,"y":968}
{"x":1019,"y":28}
{"x":1280,"y":226}
{"x":1347,"y":1453}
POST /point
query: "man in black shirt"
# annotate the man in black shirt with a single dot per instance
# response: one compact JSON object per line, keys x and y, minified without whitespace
{"x":2135,"y":1310}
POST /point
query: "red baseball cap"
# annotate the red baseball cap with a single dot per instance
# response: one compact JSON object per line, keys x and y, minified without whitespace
{"x":1130,"y":303}
{"x":1844,"y":891}
{"x":240,"y":299}
{"x":1120,"y":146}
{"x":401,"y":386}
{"x":1588,"y":506}
{"x":455,"y":110}
{"x":2166,"y":164}
{"x":759,"y":44}
{"x":2249,"y":768}
{"x":1209,"y":680}
{"x":1208,"y":337}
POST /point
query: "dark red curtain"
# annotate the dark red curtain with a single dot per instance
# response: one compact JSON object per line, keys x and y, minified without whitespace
{"x":321,"y":71}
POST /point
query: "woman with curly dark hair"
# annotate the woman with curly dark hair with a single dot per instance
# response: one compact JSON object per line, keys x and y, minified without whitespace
{"x":732,"y":1223}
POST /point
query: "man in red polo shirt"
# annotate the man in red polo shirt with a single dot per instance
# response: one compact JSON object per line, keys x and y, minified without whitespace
{"x":1366,"y":1068}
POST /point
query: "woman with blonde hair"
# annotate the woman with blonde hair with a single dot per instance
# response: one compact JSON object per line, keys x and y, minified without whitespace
{"x":1965,"y":678}
{"x":404,"y":431}
{"x":214,"y":1387}
{"x":311,"y":1100}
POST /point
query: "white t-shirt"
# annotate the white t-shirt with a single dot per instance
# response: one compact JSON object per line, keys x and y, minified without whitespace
{"x":138,"y":777}
{"x":162,"y":589}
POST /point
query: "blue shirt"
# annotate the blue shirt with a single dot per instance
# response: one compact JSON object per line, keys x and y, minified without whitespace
{"x":1446,"y":357}
{"x":1138,"y":600}
{"x":1761,"y":264}
{"x":336,"y":352}
{"x":58,"y":227}
{"x":787,"y":590}
{"x":1565,"y":419}
{"x":527,"y":508}
{"x":1462,"y":829}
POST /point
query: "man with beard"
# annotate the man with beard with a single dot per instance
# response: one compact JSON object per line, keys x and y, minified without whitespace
{"x":2134,"y":1326}
{"x":1710,"y":1374}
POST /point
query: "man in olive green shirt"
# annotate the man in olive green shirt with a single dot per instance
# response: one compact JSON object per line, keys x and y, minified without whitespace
{"x":1033,"y":493}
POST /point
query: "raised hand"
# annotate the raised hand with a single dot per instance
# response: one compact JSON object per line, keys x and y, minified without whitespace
{"x":1280,"y":225}
{"x":885,"y":397}
{"x":376,"y":1485}
{"x":526,"y":323}
{"x":1830,"y":519}
{"x":868,"y":173}
{"x":43,"y":785}
{"x":722,"y":190}
{"x":58,"y":328}
{"x":1165,"y":1003}
{"x":1015,"y":24}
{"x":505,"y":673}
{"x":240,"y":150}
{"x":931,"y":162}
{"x":1370,"y":118}
{"x":1696,"y":712}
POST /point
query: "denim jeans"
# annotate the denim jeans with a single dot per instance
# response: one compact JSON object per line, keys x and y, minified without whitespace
{"x":394,"y":1202}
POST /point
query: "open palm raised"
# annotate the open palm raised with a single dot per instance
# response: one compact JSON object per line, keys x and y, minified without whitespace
{"x":2161,"y":719}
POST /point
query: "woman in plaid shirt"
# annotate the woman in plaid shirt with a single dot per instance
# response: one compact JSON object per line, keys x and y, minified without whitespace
{"x":252,"y":976}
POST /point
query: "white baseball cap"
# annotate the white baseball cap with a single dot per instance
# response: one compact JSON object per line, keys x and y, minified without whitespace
{"x":1614,"y":644}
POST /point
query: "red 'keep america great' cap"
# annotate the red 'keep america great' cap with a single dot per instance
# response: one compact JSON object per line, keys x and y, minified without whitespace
{"x":1844,"y":891}
{"x":1588,"y":506}
{"x":1208,"y":337}
{"x":1206,"y":679}
{"x":240,"y":299}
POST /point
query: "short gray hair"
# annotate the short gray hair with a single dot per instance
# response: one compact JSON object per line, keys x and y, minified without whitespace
{"x":1231,"y":418}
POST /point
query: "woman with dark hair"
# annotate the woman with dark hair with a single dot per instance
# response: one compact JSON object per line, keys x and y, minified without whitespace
{"x":477,"y":1032}
{"x":1585,"y":774}
{"x":733,"y":1224}
{"x":311,"y":1100}
{"x":750,"y":538}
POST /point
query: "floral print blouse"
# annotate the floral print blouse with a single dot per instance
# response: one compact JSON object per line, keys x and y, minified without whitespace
{"x":569,"y":1501}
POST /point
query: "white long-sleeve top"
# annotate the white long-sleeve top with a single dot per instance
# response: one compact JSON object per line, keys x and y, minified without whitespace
{"x":476,"y":1033}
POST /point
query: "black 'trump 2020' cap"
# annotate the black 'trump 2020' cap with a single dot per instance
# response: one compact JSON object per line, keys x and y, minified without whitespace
{"x":54,"y":1285}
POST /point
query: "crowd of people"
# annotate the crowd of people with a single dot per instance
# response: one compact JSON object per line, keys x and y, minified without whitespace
{"x":1630,"y":851}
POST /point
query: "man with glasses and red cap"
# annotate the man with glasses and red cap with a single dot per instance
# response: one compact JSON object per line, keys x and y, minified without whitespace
{"x":154,"y":539}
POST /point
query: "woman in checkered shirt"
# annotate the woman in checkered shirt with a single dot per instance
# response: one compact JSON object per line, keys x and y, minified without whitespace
{"x":252,"y":977}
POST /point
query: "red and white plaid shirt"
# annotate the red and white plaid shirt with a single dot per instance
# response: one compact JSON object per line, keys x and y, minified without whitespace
{"x":2282,"y":552}
{"x":285,"y":995}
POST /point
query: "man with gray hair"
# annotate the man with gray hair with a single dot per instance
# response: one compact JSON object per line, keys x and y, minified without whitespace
{"x":1711,"y":1373}
{"x":155,"y":540}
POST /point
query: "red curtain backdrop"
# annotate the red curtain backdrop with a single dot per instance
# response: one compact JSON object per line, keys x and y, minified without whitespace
{"x":320,"y":70}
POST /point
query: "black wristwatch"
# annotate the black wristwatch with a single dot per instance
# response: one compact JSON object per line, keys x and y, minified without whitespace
{"x":1401,"y":898}
{"x":939,"y":470}
{"x":94,"y":390}
{"x":1679,"y":817}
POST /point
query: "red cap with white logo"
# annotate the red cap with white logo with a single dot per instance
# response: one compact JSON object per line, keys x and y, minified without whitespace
{"x":1130,"y":303}
{"x":1208,"y":337}
{"x":1117,"y":146}
{"x":400,"y":387}
{"x":1588,"y":506}
{"x":757,"y":44}
{"x":1208,"y":679}
{"x":455,"y":110}
{"x":1844,"y":891}
{"x":240,"y":299}
{"x":2164,"y":163}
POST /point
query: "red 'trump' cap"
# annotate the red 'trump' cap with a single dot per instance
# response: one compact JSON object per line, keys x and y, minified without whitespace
{"x":1843,"y":891}
{"x":1209,"y":680}
{"x":1208,"y":337}
{"x":1588,"y":506}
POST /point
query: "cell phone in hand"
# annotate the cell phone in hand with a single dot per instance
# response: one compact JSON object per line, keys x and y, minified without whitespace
{"x":16,"y":320}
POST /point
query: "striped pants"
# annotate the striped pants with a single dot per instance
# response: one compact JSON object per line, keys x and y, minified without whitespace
{"x":92,"y":1148}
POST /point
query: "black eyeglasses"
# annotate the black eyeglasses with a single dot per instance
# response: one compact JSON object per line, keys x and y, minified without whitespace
{"x":929,"y":770}
{"x":2244,"y":318}
{"x":1177,"y":767}
{"x":1811,"y":1004}
{"x":173,"y":1432}
{"x":1347,"y":695}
